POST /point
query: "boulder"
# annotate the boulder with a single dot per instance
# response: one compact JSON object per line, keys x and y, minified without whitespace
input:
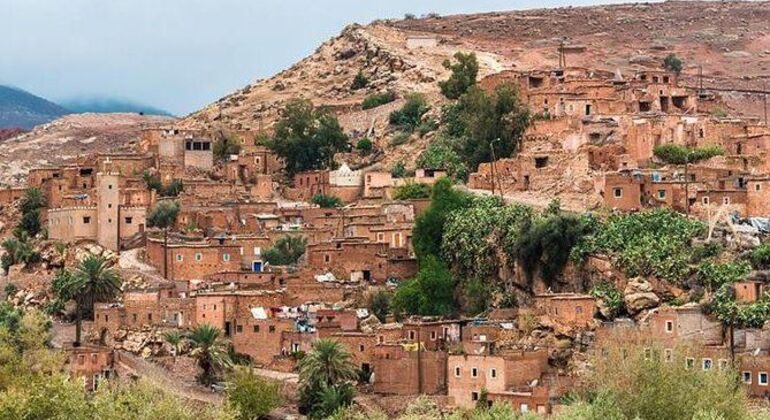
{"x":639,"y":296}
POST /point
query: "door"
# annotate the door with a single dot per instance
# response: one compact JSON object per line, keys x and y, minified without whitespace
{"x":256,"y":266}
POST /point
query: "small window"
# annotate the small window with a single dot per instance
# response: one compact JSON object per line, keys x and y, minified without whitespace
{"x":257,"y":250}
{"x":225,"y":257}
{"x":134,"y":317}
{"x":689,"y":363}
{"x":707,"y":364}
{"x":493,"y":373}
{"x":541,"y":162}
{"x":149,"y":317}
{"x":746,"y":377}
{"x":271,"y":329}
{"x":109,"y":187}
{"x":705,"y":200}
{"x":198,"y":256}
{"x":669,"y":326}
{"x":180,"y":257}
{"x":86,"y":220}
{"x":327,"y":258}
{"x":361,"y":347}
{"x":763,"y":378}
{"x":129,"y":220}
{"x":239,"y":328}
{"x":475,"y":396}
{"x":433,"y":335}
{"x":256,"y":328}
{"x":474,"y":372}
{"x":725,"y":200}
{"x":662,"y":194}
{"x":757,"y":187}
{"x":457,"y":371}
{"x":617,"y":192}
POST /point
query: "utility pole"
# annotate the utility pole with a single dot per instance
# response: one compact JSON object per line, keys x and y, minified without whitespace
{"x":494,"y":177}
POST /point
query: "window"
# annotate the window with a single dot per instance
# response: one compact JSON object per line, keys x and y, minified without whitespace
{"x":198,"y":256}
{"x":256,"y":328}
{"x":474,"y":372}
{"x":669,"y":326}
{"x":109,"y":187}
{"x":707,"y":363}
{"x":662,"y":194}
{"x":433,"y":335}
{"x":380,"y":237}
{"x":327,"y":258}
{"x":475,"y":396}
{"x":225,"y":257}
{"x":129,"y":220}
{"x":109,"y":205}
{"x":457,"y":371}
{"x":361,"y":347}
{"x":705,"y":200}
{"x":411,"y":334}
{"x":746,"y":376}
{"x":757,"y":187}
{"x":239,"y":328}
{"x":689,"y":363}
{"x":617,"y":192}
{"x":271,"y":329}
{"x":81,"y":359}
{"x":179,"y":257}
{"x":380,"y":339}
{"x":763,"y":378}
{"x":493,"y":373}
{"x":725,"y":200}
{"x":134,"y":317}
{"x":257,"y":250}
{"x":86,"y":220}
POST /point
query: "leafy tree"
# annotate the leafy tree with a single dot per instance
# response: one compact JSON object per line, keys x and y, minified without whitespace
{"x":431,"y":292}
{"x":10,"y":289}
{"x":210,"y":351}
{"x":326,"y":201}
{"x":398,"y":170}
{"x":442,"y":153}
{"x":364,"y":145}
{"x":325,"y":377}
{"x":224,"y":147}
{"x":760,"y":257}
{"x":377,"y":99}
{"x":479,"y":119}
{"x":683,"y":155}
{"x":429,"y":226}
{"x":33,"y":200}
{"x":30,"y":206}
{"x":611,"y":297}
{"x":411,"y":190}
{"x":379,"y":304}
{"x":174,"y":188}
{"x":164,"y":216}
{"x":152,"y":181}
{"x":174,"y":339}
{"x":410,"y":115}
{"x":464,"y":72}
{"x":18,"y":249}
{"x":93,"y":280}
{"x":252,"y":396}
{"x":673,"y":63}
{"x":713,"y":275}
{"x":545,"y":245}
{"x":307,"y":138}
{"x":360,"y":81}
{"x":287,"y":250}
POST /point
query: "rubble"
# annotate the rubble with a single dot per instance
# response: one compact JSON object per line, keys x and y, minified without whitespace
{"x":638,"y":296}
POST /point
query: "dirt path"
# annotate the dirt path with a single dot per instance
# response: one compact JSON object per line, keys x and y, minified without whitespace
{"x":291,"y":378}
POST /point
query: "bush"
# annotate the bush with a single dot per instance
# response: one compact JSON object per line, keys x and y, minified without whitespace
{"x":10,"y":289}
{"x":225,"y":147}
{"x":410,"y":115}
{"x":286,"y":251}
{"x":252,"y":396}
{"x":174,"y":188}
{"x":713,"y":275}
{"x":399,"y":139}
{"x":326,"y":201}
{"x":680,"y":155}
{"x":379,"y":304}
{"x":464,"y":72}
{"x":364,"y":145}
{"x":673,"y":63}
{"x":411,"y":190}
{"x":360,"y":81}
{"x":152,"y":181}
{"x":612,"y":298}
{"x":760,"y":257}
{"x":398,"y":170}
{"x":376,"y":99}
{"x":431,"y":292}
{"x":441,"y":154}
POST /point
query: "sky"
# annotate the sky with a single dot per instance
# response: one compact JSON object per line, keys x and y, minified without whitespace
{"x":180,"y":55}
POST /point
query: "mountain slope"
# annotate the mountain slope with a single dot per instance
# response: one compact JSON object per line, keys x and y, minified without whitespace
{"x":21,"y":109}
{"x":110,"y":105}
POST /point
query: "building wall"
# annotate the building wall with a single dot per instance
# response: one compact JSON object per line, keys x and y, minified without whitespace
{"x":69,"y":224}
{"x":90,"y":363}
{"x":396,"y":371}
{"x":261,"y":339}
{"x":758,"y":198}
{"x":108,"y":193}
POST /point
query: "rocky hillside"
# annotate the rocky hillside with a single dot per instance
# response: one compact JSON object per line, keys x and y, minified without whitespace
{"x":68,"y":137}
{"x":21,"y":109}
{"x":731,"y":40}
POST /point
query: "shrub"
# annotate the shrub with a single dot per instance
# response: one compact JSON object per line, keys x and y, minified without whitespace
{"x":713,"y":275}
{"x":411,"y":190}
{"x":379,"y":304}
{"x":152,"y":181}
{"x":252,"y":396}
{"x":376,"y":99}
{"x":360,"y":81}
{"x":364,"y":145}
{"x":464,"y":72}
{"x":398,"y":170}
{"x":326,"y":201}
{"x":612,"y":298}
{"x":760,"y":257}
{"x":10,"y":289}
{"x":681,"y":155}
{"x":410,"y":115}
{"x":673,"y":63}
{"x":225,"y":147}
{"x":173,"y":189}
{"x":431,"y":292}
{"x":399,"y":139}
{"x":286,"y":251}
{"x":441,"y":154}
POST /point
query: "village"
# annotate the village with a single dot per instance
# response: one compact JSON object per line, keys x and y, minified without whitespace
{"x":214,"y":228}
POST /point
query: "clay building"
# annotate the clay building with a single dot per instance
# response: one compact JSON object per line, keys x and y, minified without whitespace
{"x":92,"y":364}
{"x":409,"y":370}
{"x":361,"y":260}
{"x":566,"y":308}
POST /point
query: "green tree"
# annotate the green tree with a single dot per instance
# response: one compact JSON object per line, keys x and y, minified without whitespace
{"x":410,"y":115}
{"x":174,"y":339}
{"x":224,"y":147}
{"x":18,"y":249}
{"x":287,"y":250}
{"x":164,"y":216}
{"x":442,"y":153}
{"x":326,"y":201}
{"x":307,"y":138}
{"x":30,"y":206}
{"x":152,"y":181}
{"x":673,"y":63}
{"x":174,"y":188}
{"x":411,"y":190}
{"x":683,"y":155}
{"x":431,"y":292}
{"x":210,"y":351}
{"x":326,"y":374}
{"x":33,"y":200}
{"x":379,"y":304}
{"x":93,"y":280}
{"x":545,"y":246}
{"x":398,"y":170}
{"x":364,"y":145}
{"x":429,"y":226}
{"x":464,"y":72}
{"x":252,"y":396}
{"x":360,"y":81}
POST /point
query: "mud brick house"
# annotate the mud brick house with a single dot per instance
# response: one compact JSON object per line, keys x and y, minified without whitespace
{"x":308,"y":184}
{"x":226,"y":309}
{"x":748,"y":291}
{"x":409,"y":370}
{"x":505,"y":377}
{"x":91,"y":364}
{"x":360,"y":345}
{"x":675,"y":325}
{"x":302,"y":288}
{"x":193,"y":260}
{"x":566,"y":308}
{"x":755,"y":375}
{"x":156,"y":307}
{"x":362,"y":260}
{"x":433,"y":335}
{"x":8,"y":195}
{"x":118,"y":214}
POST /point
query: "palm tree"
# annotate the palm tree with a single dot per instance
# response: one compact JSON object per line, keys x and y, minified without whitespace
{"x":93,"y":280}
{"x":33,"y":199}
{"x":164,"y":216}
{"x":173,"y":338}
{"x":325,"y":374}
{"x":211,"y":352}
